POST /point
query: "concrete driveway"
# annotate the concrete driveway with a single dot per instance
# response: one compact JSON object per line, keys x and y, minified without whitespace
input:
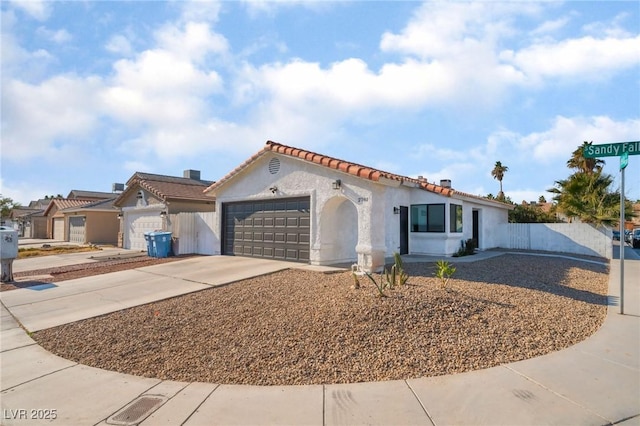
{"x":53,"y":304}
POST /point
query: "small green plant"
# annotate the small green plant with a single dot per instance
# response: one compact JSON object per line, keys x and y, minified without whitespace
{"x":356,"y":280}
{"x":380,"y":286}
{"x":444,"y":271}
{"x":467,"y":248}
{"x":388,"y":279}
{"x":401,"y":275}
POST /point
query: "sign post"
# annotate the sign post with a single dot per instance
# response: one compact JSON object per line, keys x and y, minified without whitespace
{"x":624,"y":160}
{"x":622,"y":150}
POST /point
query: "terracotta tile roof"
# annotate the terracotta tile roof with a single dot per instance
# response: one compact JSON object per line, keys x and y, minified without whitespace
{"x":95,"y":205}
{"x":348,"y":167}
{"x":167,"y":187}
{"x":65,"y":203}
{"x":85,"y":195}
{"x":351,"y":168}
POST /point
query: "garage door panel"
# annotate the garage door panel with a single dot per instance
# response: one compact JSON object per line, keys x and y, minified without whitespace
{"x":58,"y":229}
{"x":77,"y":229}
{"x":276,"y":229}
{"x":136,"y":226}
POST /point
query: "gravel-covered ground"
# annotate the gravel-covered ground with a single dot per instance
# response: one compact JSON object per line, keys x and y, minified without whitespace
{"x":298,"y":327}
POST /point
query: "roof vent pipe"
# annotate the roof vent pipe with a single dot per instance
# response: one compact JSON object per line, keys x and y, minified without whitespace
{"x":445,"y":183}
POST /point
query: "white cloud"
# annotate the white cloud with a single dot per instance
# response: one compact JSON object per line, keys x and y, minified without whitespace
{"x":257,"y":8}
{"x":23,"y":192}
{"x":56,"y":36}
{"x":583,"y":58}
{"x":119,"y":44}
{"x":37,"y":116}
{"x":551,"y":26}
{"x":193,"y":42}
{"x":15,"y":59}
{"x":37,"y":9}
{"x":200,"y":11}
{"x":166,"y":86}
{"x":568,"y":133}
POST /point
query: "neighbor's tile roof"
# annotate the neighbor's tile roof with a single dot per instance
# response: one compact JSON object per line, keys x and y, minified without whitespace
{"x":95,"y":205}
{"x":65,"y":203}
{"x":78,"y":193}
{"x":333,"y":163}
{"x":167,"y":187}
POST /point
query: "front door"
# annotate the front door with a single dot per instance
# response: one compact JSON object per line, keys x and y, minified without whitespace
{"x":404,"y":230}
{"x":476,"y":227}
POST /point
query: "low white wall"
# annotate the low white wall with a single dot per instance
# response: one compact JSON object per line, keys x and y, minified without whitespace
{"x":577,"y":238}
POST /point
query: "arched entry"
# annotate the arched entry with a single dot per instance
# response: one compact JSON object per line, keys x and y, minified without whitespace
{"x":338,"y":231}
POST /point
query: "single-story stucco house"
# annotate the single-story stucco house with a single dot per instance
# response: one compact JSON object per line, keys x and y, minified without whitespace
{"x":149,"y":199}
{"x":291,"y":204}
{"x":57,"y":223}
{"x":95,"y":222}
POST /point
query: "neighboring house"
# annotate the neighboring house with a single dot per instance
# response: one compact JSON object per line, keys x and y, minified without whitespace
{"x":94,"y":222}
{"x":35,"y":224}
{"x":22,"y":217}
{"x":291,"y":204}
{"x":57,"y":223}
{"x":149,"y":199}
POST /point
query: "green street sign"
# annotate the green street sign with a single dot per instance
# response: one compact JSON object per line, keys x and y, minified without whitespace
{"x":612,"y":149}
{"x":624,"y":160}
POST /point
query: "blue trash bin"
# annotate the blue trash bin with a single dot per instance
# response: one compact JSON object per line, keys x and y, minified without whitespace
{"x":162,"y":243}
{"x":151,"y":250}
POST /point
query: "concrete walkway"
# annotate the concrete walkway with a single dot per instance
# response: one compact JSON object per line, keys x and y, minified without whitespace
{"x":592,"y":383}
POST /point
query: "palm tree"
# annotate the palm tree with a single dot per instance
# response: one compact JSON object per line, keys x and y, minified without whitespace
{"x":586,"y":196}
{"x":586,"y":165}
{"x":498,"y":173}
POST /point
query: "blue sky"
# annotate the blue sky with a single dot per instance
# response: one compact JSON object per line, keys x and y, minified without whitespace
{"x":95,"y":91}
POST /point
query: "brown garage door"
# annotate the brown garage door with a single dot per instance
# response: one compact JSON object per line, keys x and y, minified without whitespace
{"x":272,"y":229}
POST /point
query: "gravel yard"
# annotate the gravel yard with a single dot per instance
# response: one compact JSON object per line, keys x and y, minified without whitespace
{"x":298,"y":327}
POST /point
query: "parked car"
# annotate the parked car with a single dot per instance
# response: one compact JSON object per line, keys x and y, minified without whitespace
{"x":616,"y":235}
{"x":627,"y":235}
{"x":635,"y":239}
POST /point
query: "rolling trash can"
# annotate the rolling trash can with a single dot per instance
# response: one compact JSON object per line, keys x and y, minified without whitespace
{"x":151,"y":252}
{"x":161,"y":242}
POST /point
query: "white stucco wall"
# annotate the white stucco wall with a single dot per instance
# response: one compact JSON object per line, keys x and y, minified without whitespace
{"x":578,"y":238}
{"x":355,"y":222}
{"x":297,"y":178}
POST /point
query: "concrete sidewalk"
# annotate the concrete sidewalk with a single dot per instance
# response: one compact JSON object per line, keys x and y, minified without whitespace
{"x":592,"y":383}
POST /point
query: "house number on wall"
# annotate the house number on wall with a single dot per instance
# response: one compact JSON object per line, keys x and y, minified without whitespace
{"x":363,"y":199}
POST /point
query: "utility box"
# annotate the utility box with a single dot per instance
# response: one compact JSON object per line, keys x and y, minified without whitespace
{"x":8,"y":252}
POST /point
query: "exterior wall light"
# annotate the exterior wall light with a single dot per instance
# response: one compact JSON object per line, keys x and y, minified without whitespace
{"x":120,"y":215}
{"x":273,"y":189}
{"x":336,"y":184}
{"x":163,"y":214}
{"x":396,"y":210}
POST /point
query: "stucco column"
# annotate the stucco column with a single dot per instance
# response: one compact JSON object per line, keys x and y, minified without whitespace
{"x":371,"y":248}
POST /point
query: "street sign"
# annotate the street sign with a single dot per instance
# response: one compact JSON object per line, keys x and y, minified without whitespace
{"x":624,"y":160}
{"x":611,"y":149}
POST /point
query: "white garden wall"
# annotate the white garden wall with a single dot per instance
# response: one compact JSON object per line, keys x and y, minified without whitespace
{"x":576,"y":238}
